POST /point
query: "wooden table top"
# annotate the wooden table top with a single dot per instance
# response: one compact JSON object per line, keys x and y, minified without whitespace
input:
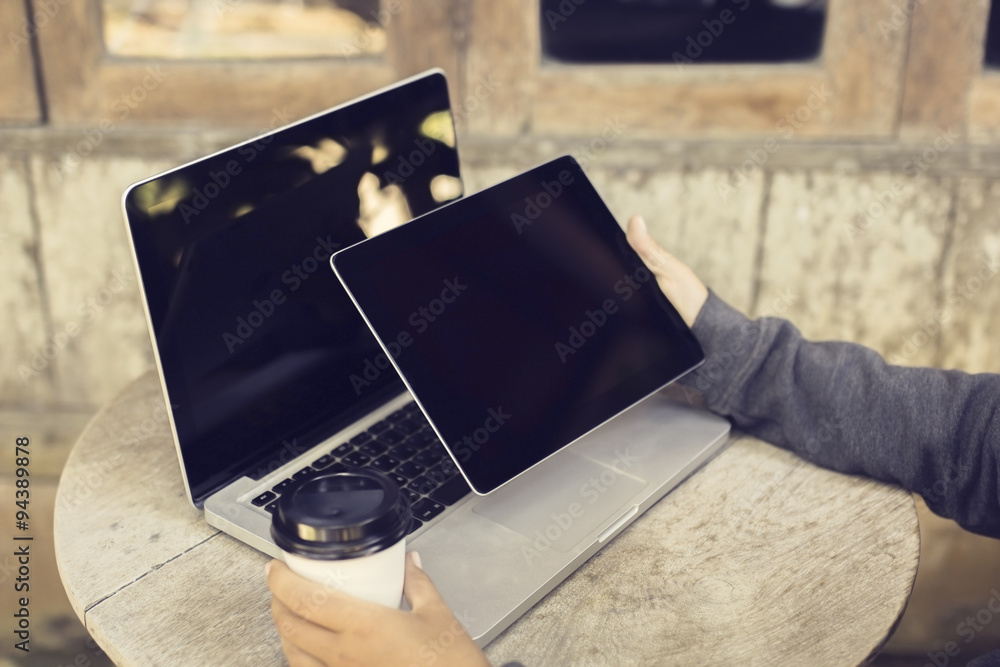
{"x":759,"y":558}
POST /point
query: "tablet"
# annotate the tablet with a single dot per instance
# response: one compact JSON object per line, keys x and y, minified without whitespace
{"x":519,"y":318}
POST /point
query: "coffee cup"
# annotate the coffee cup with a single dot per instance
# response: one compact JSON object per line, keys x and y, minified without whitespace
{"x":346,"y":530}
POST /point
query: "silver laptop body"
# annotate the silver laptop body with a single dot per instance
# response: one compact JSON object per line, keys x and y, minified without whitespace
{"x":493,"y":557}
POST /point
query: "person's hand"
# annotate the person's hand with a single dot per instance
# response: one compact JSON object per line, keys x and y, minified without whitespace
{"x":322,"y":626}
{"x":679,"y":283}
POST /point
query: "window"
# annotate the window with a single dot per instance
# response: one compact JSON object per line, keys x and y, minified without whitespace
{"x":251,"y":29}
{"x":851,"y":88}
{"x":682,"y":31}
{"x":96,"y":65}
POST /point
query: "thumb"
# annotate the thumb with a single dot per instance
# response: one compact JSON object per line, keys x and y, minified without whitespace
{"x":648,"y":249}
{"x":678,"y":282}
{"x":418,"y":588}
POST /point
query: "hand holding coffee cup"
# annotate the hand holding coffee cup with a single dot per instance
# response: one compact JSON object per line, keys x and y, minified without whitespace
{"x":347,"y":531}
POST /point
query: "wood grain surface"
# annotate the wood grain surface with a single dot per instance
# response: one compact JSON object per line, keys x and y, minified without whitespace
{"x":759,"y":558}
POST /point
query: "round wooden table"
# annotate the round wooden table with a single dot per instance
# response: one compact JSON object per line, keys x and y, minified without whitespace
{"x":759,"y":558}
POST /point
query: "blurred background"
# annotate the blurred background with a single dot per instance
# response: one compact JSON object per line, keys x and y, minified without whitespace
{"x":841,"y":156}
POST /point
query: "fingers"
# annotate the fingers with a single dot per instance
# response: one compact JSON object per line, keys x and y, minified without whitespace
{"x":334,"y":628}
{"x":299,"y":637}
{"x":418,"y":588}
{"x":315,"y":602}
{"x":637,"y":235}
{"x":297,"y":657}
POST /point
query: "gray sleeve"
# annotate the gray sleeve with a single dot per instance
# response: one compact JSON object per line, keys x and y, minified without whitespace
{"x":931,"y":431}
{"x":991,"y":659}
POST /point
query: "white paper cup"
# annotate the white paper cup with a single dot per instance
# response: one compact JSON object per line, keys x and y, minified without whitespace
{"x":378,"y":577}
{"x":346,"y":531}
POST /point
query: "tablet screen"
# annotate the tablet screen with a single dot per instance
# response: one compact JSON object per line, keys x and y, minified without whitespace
{"x":519,"y":317}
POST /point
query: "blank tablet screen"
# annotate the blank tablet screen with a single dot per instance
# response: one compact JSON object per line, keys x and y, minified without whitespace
{"x":519,"y":317}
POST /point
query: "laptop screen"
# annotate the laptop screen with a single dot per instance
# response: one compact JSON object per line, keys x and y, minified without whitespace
{"x":522,"y":318}
{"x":261,"y":350}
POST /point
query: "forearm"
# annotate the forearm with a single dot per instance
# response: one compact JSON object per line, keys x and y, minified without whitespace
{"x":841,"y":406}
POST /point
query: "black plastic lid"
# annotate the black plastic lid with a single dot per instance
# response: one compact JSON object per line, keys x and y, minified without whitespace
{"x":342,"y":515}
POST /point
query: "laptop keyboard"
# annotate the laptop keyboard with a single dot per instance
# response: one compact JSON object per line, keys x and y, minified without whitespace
{"x":404,"y":447}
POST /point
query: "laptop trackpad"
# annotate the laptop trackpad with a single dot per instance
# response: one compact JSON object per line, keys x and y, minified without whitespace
{"x":562,"y":500}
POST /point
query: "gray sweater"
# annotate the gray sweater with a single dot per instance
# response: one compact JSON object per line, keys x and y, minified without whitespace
{"x":841,"y":406}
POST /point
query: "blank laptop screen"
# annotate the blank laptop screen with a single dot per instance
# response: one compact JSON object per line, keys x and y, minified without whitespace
{"x":262,"y":352}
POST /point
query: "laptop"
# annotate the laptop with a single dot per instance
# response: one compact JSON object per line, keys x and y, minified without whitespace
{"x":271,"y":373}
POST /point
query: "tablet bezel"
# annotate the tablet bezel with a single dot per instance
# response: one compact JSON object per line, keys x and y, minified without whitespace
{"x":351,"y":264}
